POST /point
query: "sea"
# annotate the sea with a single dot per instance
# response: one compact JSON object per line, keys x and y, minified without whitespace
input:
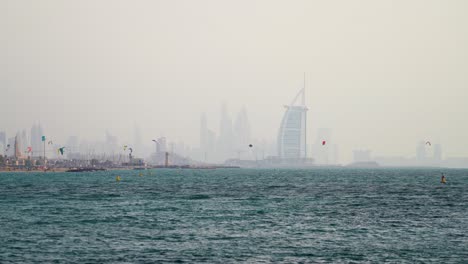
{"x":318,"y":215}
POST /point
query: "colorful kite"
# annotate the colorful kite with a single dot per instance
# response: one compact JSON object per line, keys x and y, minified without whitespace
{"x":61,"y":150}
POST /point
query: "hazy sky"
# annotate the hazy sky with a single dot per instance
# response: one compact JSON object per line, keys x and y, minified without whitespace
{"x":382,"y":74}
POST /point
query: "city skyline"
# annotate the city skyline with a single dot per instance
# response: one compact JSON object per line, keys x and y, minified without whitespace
{"x":323,"y":151}
{"x":381,"y":85}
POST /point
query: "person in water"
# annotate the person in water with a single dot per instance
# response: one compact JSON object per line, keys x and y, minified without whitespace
{"x":442,"y":179}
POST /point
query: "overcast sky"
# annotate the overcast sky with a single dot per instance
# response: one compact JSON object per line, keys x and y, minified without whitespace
{"x":383,"y":75}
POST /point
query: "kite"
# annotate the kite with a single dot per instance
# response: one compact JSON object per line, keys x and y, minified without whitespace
{"x":29,"y":149}
{"x":324,"y":142}
{"x":250,"y":145}
{"x":428,"y":143}
{"x":61,"y":150}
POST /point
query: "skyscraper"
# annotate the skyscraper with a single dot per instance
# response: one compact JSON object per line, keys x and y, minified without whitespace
{"x":10,"y":147}
{"x":203,"y":133}
{"x":73,"y":147}
{"x":207,"y":140}
{"x":161,"y":145}
{"x":137,"y":143}
{"x":3,"y":143}
{"x":293,"y":129}
{"x":210,"y":141}
{"x":225,"y":141}
{"x":324,"y":150}
{"x":36,"y":140}
{"x":25,"y":142}
{"x":242,"y":130}
{"x":3,"y":138}
{"x":17,"y":146}
{"x":421,"y":151}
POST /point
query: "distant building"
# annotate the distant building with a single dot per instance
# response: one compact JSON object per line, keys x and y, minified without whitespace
{"x":225,"y":145}
{"x":322,"y":147}
{"x":396,"y":161}
{"x":17,"y":146}
{"x":361,"y":155}
{"x":203,"y":133}
{"x":207,"y":140}
{"x":3,"y":139}
{"x":324,"y":151}
{"x":36,"y":140}
{"x":292,"y":132}
{"x":210,"y":141}
{"x":242,"y":131}
{"x":10,"y":147}
{"x":72,"y":146}
{"x":161,"y":145}
{"x":3,"y":143}
{"x":421,"y":151}
{"x":137,"y":142}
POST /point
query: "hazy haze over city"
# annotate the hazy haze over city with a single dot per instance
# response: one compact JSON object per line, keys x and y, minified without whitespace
{"x":383,"y":75}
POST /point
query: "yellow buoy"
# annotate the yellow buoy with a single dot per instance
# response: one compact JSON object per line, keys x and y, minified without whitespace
{"x":117,"y":178}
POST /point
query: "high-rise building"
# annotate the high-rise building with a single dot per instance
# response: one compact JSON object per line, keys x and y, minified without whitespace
{"x":421,"y":151}
{"x":324,"y":150}
{"x":292,"y":132}
{"x":17,"y":146}
{"x":210,"y":141}
{"x":242,"y":130}
{"x":10,"y":147}
{"x":161,"y":145}
{"x":25,"y":141}
{"x":3,"y":139}
{"x":36,"y":140}
{"x":225,"y":140}
{"x":203,"y":133}
{"x":111,"y":143}
{"x":207,"y":140}
{"x":73,"y":147}
{"x":138,"y":145}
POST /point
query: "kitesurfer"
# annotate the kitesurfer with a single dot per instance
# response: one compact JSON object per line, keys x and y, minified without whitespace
{"x":443,"y":179}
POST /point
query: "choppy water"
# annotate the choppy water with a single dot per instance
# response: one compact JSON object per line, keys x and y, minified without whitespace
{"x":213,"y":216}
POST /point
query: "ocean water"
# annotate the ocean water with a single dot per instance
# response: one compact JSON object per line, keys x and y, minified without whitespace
{"x":323,"y":215}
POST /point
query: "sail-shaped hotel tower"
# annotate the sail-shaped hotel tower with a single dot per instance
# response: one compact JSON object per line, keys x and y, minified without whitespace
{"x":292,"y":132}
